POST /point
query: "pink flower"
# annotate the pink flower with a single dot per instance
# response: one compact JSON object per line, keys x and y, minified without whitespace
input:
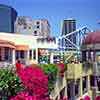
{"x":87,"y":98}
{"x":35,"y":80}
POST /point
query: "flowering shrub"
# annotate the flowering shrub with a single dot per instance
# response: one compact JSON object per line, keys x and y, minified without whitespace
{"x":35,"y":80}
{"x":87,"y":98}
{"x":10,"y":84}
{"x":97,"y":98}
{"x":26,"y":96}
{"x":61,"y":69}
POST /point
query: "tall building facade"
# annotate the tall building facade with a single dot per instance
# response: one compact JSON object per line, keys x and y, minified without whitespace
{"x":26,"y":25}
{"x":68,"y":26}
{"x":7,"y":18}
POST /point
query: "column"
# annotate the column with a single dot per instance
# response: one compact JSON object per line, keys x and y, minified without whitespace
{"x":13,"y":56}
{"x":51,"y":58}
{"x":37,"y":55}
{"x":88,"y":84}
{"x":80,"y":87}
{"x":32,"y":56}
{"x":65,"y":92}
{"x":27,"y":57}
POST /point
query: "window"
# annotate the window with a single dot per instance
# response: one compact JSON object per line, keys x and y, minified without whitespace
{"x":77,"y":87}
{"x":25,"y":27}
{"x":68,"y":90}
{"x":34,"y":54}
{"x":22,"y":54}
{"x":38,"y":26}
{"x":6,"y":53}
{"x":37,"y":22}
{"x":30,"y":54}
{"x":35,"y":33}
{"x":17,"y":55}
{"x":92,"y":81}
{"x":29,"y":27}
{"x":84,"y":81}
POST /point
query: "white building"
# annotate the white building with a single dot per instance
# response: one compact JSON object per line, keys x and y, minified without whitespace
{"x":26,"y":25}
{"x":25,"y":47}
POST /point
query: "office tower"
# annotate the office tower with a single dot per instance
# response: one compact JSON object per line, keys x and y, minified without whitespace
{"x":68,"y":26}
{"x":7,"y":18}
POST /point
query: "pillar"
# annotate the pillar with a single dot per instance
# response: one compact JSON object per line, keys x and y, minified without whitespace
{"x":83,"y":55}
{"x":32,"y":55}
{"x":27,"y":57}
{"x":80,"y":87}
{"x":37,"y":60}
{"x":51,"y":58}
{"x":88,"y":84}
{"x":13,"y":56}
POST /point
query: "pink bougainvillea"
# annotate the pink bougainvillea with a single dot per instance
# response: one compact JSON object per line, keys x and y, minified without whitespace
{"x":87,"y":98}
{"x":35,"y":80}
{"x":61,"y":67}
{"x":97,"y":98}
{"x":26,"y":96}
{"x":81,"y":99}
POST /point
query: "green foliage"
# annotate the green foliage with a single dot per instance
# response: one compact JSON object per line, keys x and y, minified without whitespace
{"x":10,"y":84}
{"x":51,"y":70}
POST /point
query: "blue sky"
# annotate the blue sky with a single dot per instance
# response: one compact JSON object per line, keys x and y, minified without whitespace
{"x":86,"y":12}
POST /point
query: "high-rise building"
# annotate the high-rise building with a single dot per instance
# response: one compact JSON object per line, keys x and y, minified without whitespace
{"x":68,"y":26}
{"x":7,"y":18}
{"x":26,"y":25}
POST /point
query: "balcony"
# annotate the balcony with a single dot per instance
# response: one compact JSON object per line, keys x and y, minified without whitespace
{"x":75,"y":71}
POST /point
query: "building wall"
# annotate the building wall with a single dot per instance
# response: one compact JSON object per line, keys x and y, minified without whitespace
{"x":7,"y":18}
{"x":27,"y":41}
{"x":26,"y":25}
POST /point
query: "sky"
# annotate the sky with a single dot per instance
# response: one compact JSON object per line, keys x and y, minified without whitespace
{"x":86,"y":12}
